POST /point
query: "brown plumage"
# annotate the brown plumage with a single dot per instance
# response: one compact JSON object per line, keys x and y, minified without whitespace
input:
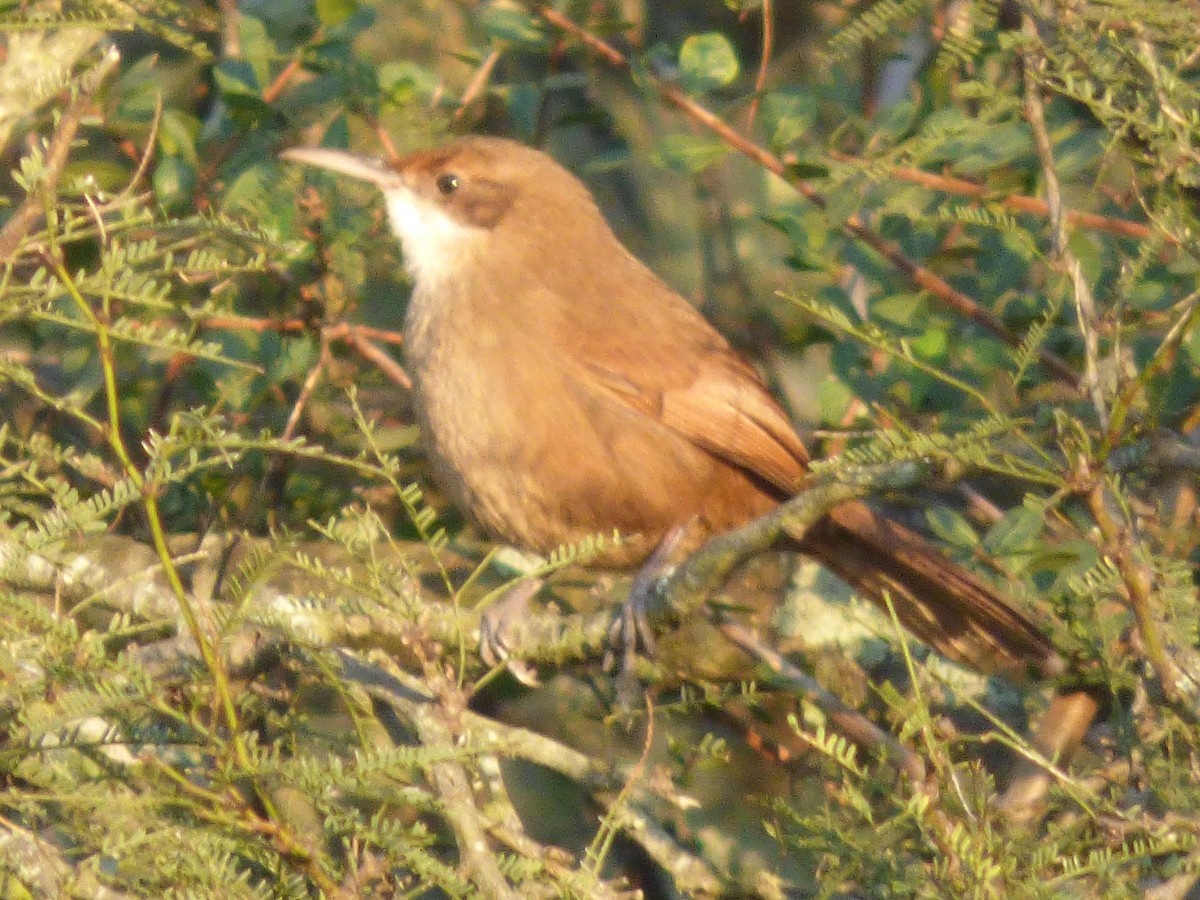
{"x":564,"y":391}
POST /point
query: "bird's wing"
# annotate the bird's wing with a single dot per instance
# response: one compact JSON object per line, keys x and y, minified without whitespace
{"x":721,"y":406}
{"x":637,"y":342}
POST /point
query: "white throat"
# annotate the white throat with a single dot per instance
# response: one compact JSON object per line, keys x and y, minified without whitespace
{"x":434,"y":244}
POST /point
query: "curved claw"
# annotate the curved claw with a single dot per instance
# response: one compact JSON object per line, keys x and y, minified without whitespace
{"x":631,"y":629}
{"x":500,"y":622}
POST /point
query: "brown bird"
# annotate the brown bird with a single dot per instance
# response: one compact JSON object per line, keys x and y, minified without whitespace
{"x":564,"y":390}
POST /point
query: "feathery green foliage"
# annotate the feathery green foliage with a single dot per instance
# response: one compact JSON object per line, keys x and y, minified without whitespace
{"x":241,"y":645}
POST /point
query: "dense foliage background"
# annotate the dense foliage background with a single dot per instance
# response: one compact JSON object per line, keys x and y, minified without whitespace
{"x":239,"y":653}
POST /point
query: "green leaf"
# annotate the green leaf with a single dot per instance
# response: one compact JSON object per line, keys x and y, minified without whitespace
{"x":257,"y":47}
{"x":1014,"y":533}
{"x":138,"y":89}
{"x":707,"y":61}
{"x":1148,"y":294}
{"x":1089,"y":252}
{"x":236,"y":77}
{"x":511,"y":24}
{"x":177,"y":135}
{"x":404,"y":81}
{"x":689,"y":153}
{"x":1058,"y":563}
{"x":931,"y":345}
{"x":834,"y":399}
{"x":241,"y":91}
{"x":173,"y":181}
{"x":788,"y":116}
{"x":808,"y":235}
{"x":1191,"y":344}
{"x":335,"y":12}
{"x":951,"y":527}
{"x":249,"y":190}
{"x":907,"y":310}
{"x":898,"y":118}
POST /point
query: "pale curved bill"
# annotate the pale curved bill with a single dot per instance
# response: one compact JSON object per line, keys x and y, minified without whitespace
{"x":372,"y":170}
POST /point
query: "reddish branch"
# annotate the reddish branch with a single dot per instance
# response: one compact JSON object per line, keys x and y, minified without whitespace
{"x":362,"y":338}
{"x":919,"y":274}
{"x":948,"y":184}
{"x":768,"y":44}
{"x":340,"y":331}
{"x":33,"y":207}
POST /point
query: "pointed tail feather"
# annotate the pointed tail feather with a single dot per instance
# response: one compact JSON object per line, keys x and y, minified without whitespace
{"x":939,"y":601}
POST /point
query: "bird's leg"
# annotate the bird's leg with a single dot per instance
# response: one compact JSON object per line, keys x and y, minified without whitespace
{"x":502,"y":619}
{"x":632,"y":627}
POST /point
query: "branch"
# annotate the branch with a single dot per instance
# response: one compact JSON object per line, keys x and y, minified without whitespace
{"x":1139,"y":585}
{"x":948,"y":184}
{"x":34,"y":205}
{"x":550,"y":638}
{"x":845,"y":720}
{"x":435,"y":727}
{"x":1065,"y":259}
{"x":684,"y":591}
{"x":692,"y":874}
{"x":920,"y":275}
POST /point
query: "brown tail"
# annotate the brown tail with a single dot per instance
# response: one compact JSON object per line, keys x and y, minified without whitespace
{"x":940,"y":602}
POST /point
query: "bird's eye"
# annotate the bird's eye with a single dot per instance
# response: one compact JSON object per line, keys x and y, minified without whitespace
{"x":447,"y":184}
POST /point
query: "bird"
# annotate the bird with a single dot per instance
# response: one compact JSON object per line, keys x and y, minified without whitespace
{"x":564,"y":390}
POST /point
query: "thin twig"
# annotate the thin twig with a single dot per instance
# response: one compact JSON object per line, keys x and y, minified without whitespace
{"x":1140,"y":587}
{"x":920,"y":275}
{"x":477,"y":83}
{"x":311,"y":380}
{"x":1021,"y":203}
{"x":361,"y":338}
{"x":852,"y":724}
{"x":382,"y":360}
{"x":338,"y":331}
{"x":276,"y":88}
{"x":768,"y":43}
{"x":33,"y":206}
{"x":1064,"y":257}
{"x":146,"y":156}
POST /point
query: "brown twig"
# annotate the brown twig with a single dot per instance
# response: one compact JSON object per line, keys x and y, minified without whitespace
{"x":1062,"y":257}
{"x":147,"y":153}
{"x":385,"y":141}
{"x":477,"y":83}
{"x":360,"y":337}
{"x":286,"y":74}
{"x":768,"y":43}
{"x":852,"y":724}
{"x":338,"y":331}
{"x":33,"y":206}
{"x":311,"y":380}
{"x":1139,"y":586}
{"x":920,"y":275}
{"x":382,"y":360}
{"x":948,"y":184}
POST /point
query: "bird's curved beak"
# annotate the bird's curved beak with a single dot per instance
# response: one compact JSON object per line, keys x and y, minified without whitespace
{"x":373,"y":170}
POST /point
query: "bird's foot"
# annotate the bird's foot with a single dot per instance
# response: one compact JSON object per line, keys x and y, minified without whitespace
{"x":631,"y":629}
{"x":500,"y":629}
